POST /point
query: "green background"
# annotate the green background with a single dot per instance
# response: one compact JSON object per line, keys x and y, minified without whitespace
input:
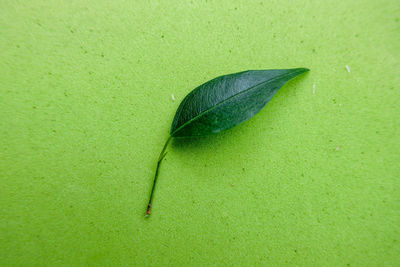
{"x":86,"y":107}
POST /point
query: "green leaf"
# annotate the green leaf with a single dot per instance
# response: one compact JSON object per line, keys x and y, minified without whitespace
{"x":228,"y":100}
{"x":222,"y":103}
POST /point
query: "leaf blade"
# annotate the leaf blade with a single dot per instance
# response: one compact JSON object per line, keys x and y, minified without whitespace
{"x":228,"y":100}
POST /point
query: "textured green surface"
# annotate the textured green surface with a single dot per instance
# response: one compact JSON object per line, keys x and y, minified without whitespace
{"x":86,"y":106}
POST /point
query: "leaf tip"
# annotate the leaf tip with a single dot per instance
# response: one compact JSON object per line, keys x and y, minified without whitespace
{"x":300,"y":71}
{"x":304,"y":69}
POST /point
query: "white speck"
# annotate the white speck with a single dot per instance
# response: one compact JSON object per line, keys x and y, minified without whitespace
{"x":172,"y":97}
{"x":313,"y":89}
{"x":348,"y":68}
{"x":338,"y":148}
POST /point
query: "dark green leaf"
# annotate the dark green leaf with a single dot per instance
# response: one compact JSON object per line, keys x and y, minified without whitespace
{"x":228,"y":100}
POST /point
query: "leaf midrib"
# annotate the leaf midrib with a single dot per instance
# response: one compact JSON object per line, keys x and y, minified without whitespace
{"x":226,"y":100}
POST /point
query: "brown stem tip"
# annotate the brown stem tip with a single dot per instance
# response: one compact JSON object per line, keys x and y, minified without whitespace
{"x":148,"y":212}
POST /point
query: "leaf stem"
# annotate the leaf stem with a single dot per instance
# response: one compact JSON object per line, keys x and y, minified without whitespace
{"x":160,"y":158}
